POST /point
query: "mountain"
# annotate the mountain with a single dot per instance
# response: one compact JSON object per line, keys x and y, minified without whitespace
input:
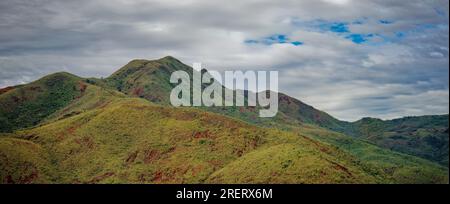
{"x":121,"y":130}
{"x":149,"y":79}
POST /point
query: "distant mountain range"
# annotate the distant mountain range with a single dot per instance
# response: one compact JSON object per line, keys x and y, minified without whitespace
{"x":121,"y":129}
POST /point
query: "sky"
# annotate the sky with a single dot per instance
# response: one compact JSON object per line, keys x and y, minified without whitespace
{"x":350,"y":58}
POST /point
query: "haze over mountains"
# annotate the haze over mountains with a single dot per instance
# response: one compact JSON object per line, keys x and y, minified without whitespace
{"x":121,"y":129}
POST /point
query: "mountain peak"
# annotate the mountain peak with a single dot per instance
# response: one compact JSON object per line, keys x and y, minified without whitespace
{"x":170,"y":58}
{"x":147,"y":78}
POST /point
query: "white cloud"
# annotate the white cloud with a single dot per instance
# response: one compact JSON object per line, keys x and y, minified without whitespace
{"x":94,"y":38}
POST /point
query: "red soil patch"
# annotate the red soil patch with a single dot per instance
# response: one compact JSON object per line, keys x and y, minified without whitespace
{"x":85,"y":142}
{"x":24,"y":179}
{"x":30,"y":147}
{"x":157,"y":177}
{"x":215,"y":163}
{"x":151,"y":155}
{"x":340,"y":168}
{"x":171,"y":175}
{"x":131,"y":158}
{"x":101,"y":177}
{"x":139,"y":91}
{"x":72,"y":130}
{"x":82,"y":87}
{"x":186,"y":116}
{"x":197,"y":169}
{"x":320,"y":146}
{"x":31,"y":137}
{"x":60,"y":136}
{"x":202,"y":134}
{"x":6,"y":89}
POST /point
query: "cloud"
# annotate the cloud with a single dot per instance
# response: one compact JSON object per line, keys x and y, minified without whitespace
{"x":376,"y":58}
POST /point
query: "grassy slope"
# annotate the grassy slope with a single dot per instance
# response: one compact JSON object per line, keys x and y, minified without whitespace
{"x":424,"y":136}
{"x":149,"y":79}
{"x":89,"y":139}
{"x":134,"y":141}
{"x":394,"y":166}
{"x":27,"y":105}
{"x":23,"y":161}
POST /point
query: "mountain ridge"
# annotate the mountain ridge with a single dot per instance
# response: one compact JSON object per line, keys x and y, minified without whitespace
{"x":291,"y":112}
{"x":149,"y":79}
{"x":80,"y":126}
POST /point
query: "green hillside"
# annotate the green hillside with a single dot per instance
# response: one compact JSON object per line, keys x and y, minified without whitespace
{"x":149,"y":79}
{"x":27,"y":105}
{"x":424,"y":136}
{"x":133,"y":141}
{"x":121,"y":130}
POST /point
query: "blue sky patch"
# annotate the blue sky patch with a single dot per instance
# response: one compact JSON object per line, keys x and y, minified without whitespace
{"x":297,"y":43}
{"x":339,"y":28}
{"x":274,"y":39}
{"x":386,"y":22}
{"x":358,"y":38}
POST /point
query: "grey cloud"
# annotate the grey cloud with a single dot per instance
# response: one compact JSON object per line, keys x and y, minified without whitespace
{"x":94,"y":38}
